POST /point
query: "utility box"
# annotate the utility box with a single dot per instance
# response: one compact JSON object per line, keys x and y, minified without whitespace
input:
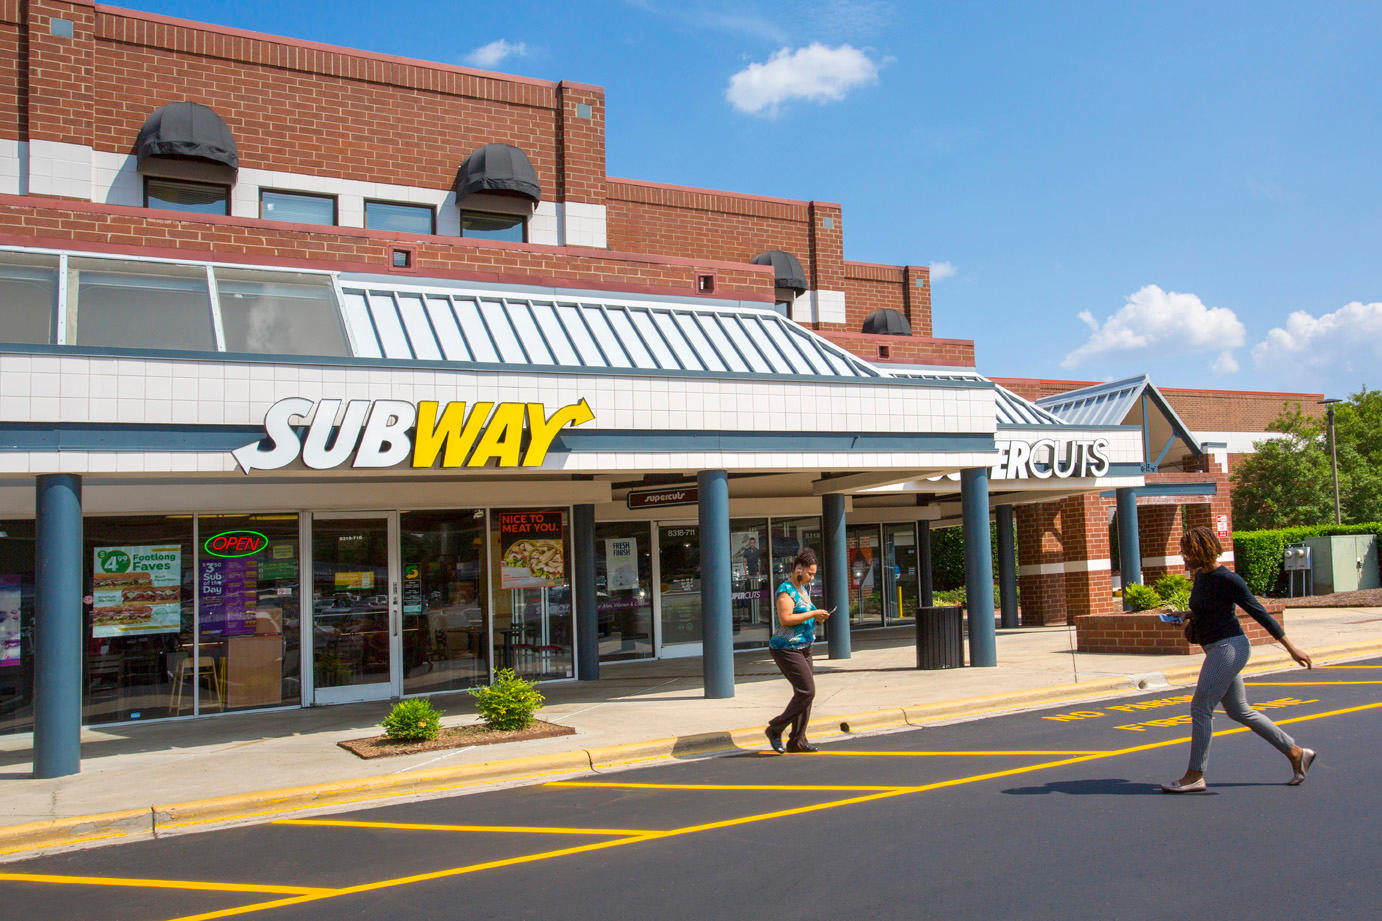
{"x":1343,"y":562}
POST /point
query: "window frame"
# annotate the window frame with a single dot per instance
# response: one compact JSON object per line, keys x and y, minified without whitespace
{"x":185,"y":182}
{"x":334,"y":199}
{"x":524,"y":220}
{"x":431,"y":210}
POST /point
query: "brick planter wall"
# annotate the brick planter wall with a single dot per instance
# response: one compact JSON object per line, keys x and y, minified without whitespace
{"x":1145,"y":632}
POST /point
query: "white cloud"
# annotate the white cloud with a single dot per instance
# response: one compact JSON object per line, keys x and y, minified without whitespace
{"x":495,"y":53}
{"x":815,"y":73}
{"x":940,"y":271}
{"x":1167,"y":321}
{"x":1347,"y":340}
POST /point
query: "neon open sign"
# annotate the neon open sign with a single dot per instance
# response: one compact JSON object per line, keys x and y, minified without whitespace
{"x":235,"y":543}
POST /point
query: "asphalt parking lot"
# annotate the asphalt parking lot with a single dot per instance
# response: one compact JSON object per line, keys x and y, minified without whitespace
{"x":1035,"y":815}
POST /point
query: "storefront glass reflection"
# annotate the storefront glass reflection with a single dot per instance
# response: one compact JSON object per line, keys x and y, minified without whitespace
{"x":901,"y":585}
{"x":865,"y":575}
{"x":789,"y":536}
{"x":533,"y":628}
{"x":680,"y":550}
{"x":445,"y":622}
{"x":623,"y":596}
{"x":16,"y":626}
{"x":751,"y":597}
{"x":350,"y":604}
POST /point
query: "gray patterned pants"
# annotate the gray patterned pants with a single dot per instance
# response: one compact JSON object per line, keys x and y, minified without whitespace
{"x":1220,"y":681}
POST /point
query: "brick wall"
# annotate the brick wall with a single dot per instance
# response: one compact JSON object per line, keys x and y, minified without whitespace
{"x":1057,"y":534}
{"x":60,"y":73}
{"x":1145,"y":632}
{"x":871,"y":286}
{"x":60,"y":224}
{"x":912,"y":350}
{"x":14,"y":73}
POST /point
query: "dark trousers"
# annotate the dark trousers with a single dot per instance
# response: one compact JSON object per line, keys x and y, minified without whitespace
{"x":796,"y":668}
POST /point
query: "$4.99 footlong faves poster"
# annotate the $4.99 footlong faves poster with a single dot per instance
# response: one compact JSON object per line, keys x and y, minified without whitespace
{"x":532,"y":550}
{"x":136,"y":590}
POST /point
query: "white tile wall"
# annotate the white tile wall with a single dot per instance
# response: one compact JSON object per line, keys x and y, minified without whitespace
{"x":14,"y":167}
{"x":56,"y":168}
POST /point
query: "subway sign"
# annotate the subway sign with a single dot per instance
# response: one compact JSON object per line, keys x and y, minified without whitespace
{"x":385,"y":433}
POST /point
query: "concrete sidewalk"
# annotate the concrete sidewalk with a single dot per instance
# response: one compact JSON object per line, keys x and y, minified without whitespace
{"x":169,"y":775}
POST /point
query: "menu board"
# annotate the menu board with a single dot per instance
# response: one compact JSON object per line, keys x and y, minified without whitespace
{"x":229,"y":596}
{"x":621,"y":563}
{"x":136,"y":590}
{"x":9,"y":620}
{"x":531,"y":550}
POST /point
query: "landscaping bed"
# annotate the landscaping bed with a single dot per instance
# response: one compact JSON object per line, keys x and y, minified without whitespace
{"x":1146,"y":632}
{"x":452,"y":737}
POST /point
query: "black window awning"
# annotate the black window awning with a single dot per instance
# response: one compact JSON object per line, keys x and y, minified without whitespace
{"x":498,"y":168}
{"x":887,"y":322}
{"x":187,"y":130}
{"x":787,"y":271}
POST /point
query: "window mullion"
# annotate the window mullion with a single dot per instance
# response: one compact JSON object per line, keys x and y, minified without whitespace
{"x":216,"y":326}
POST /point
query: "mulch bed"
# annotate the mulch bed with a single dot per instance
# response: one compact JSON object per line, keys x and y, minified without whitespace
{"x":1367,"y":598}
{"x":453,"y":737}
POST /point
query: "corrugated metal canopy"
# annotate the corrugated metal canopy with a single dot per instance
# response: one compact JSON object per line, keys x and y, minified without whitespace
{"x":1120,"y":403}
{"x":1009,"y":408}
{"x":578,"y":331}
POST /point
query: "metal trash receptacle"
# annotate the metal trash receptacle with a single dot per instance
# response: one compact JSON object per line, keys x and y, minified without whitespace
{"x":940,"y":637}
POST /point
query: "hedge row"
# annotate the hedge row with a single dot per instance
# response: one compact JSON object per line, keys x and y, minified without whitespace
{"x":948,"y":555}
{"x":1257,"y":555}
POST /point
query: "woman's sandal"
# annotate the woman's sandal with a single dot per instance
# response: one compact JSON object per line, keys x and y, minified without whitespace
{"x":1307,"y":758}
{"x":1175,"y":786}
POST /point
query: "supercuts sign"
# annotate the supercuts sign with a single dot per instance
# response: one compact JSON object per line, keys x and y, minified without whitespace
{"x":385,"y":433}
{"x":1048,"y":457}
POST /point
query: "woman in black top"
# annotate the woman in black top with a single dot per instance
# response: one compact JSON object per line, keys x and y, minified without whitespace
{"x":1217,"y":590}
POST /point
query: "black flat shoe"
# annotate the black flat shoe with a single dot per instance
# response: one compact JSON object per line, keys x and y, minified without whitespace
{"x":775,"y":739}
{"x":802,"y":748}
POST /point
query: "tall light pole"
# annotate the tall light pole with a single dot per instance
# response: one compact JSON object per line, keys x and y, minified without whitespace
{"x":1333,"y":455}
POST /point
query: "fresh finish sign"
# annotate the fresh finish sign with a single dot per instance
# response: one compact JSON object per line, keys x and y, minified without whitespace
{"x":385,"y":433}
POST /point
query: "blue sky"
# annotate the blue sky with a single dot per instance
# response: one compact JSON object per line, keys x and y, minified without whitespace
{"x":1189,"y":190}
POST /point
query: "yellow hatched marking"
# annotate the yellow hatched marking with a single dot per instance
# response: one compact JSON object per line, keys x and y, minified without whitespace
{"x":1300,"y":684}
{"x":163,"y":884}
{"x":652,"y":836}
{"x":834,"y":788}
{"x":508,"y":829}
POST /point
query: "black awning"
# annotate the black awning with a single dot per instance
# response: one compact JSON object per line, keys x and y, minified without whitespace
{"x":887,"y":323}
{"x":498,"y":168}
{"x":187,"y":129}
{"x":787,"y":271}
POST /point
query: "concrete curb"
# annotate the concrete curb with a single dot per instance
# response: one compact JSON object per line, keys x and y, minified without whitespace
{"x":34,"y":836}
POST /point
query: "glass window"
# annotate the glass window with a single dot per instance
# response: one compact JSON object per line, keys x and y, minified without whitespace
{"x":865,"y":575}
{"x":533,"y":629}
{"x":445,"y":601}
{"x":387,"y":215}
{"x":623,"y":590}
{"x":679,"y":555}
{"x":141,"y":658}
{"x":140,"y":304}
{"x":279,"y":313}
{"x":751,"y":597}
{"x":297,"y":207}
{"x":16,"y":626}
{"x":350,"y":602}
{"x":900,"y":575}
{"x":248,"y":581}
{"x":181,"y":195}
{"x":29,"y":293}
{"x":492,"y":225}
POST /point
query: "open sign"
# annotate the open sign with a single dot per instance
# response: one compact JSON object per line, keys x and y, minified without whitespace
{"x":235,"y":543}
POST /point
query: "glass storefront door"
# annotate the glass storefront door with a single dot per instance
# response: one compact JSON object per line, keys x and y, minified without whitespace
{"x":445,"y":600}
{"x":356,"y":607}
{"x":902,"y":590}
{"x":865,"y":575}
{"x":679,"y":549}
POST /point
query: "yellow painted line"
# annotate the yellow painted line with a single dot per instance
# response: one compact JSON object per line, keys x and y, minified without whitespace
{"x":871,"y":754}
{"x":1300,"y":684}
{"x":66,"y":842}
{"x":726,"y":823}
{"x":712,"y":786}
{"x":511,"y":829}
{"x":1348,"y":666}
{"x":162,"y":884}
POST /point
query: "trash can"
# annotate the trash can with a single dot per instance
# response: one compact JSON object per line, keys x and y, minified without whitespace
{"x":940,"y":637}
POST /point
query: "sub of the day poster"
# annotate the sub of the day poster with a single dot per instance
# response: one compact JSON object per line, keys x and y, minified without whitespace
{"x":136,"y":590}
{"x":531,"y":550}
{"x":621,"y":564}
{"x":229,"y":589}
{"x":9,"y":620}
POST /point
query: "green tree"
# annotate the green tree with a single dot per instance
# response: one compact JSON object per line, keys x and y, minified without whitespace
{"x":1287,"y":481}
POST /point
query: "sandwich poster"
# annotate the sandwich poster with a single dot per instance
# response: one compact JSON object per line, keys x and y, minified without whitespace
{"x":10,"y":639}
{"x":531,"y":550}
{"x":136,"y":590}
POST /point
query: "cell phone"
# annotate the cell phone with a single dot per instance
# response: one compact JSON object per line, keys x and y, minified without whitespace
{"x":830,"y":613}
{"x":1171,"y":618}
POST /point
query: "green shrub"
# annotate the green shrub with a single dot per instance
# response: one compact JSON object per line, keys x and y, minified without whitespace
{"x":1141,"y":597}
{"x":1174,"y":589}
{"x":1257,"y":554}
{"x":508,"y":703}
{"x":948,"y":555}
{"x":949,"y":596}
{"x":413,"y":720}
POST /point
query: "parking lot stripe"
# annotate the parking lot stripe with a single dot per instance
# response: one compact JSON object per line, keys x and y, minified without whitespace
{"x":871,"y":754}
{"x":712,"y":786}
{"x":1300,"y":684}
{"x":509,"y":829}
{"x":162,"y":884}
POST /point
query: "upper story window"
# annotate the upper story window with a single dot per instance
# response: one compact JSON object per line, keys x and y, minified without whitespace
{"x":29,"y":293}
{"x":297,"y":207}
{"x":131,"y":304}
{"x":497,"y":191}
{"x":388,"y":215}
{"x":182,"y":195}
{"x":280,"y":313}
{"x":494,"y":225}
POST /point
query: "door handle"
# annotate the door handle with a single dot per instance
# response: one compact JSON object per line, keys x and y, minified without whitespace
{"x":397,"y":615}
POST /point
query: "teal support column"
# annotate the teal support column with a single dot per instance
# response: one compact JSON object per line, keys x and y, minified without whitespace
{"x":717,"y":627}
{"x":1129,"y":548}
{"x":58,"y":626}
{"x":836,"y":564}
{"x":1007,"y":568}
{"x":583,"y":576}
{"x":974,"y":507}
{"x":924,"y":563}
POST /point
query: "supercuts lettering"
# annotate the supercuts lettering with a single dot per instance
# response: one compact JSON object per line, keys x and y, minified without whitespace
{"x":1048,"y":458}
{"x":385,"y":433}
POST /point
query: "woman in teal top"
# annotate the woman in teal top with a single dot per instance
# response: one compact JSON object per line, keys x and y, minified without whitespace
{"x":790,"y":648}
